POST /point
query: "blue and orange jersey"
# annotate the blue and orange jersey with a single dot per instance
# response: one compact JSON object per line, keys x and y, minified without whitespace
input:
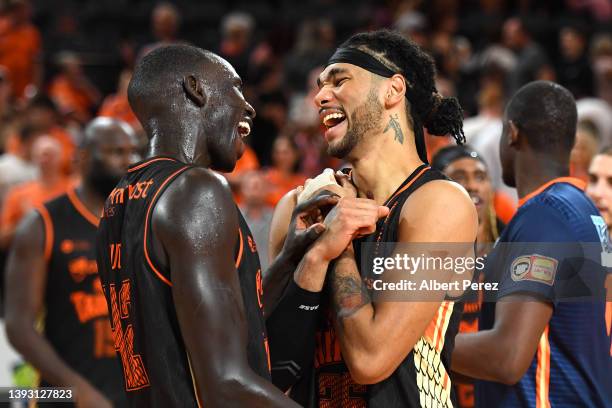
{"x":572,"y":367}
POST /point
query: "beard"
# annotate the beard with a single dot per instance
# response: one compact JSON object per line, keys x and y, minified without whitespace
{"x":102,"y":180}
{"x":364,"y":119}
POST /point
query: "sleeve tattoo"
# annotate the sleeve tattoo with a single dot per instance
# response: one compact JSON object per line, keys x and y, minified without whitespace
{"x":349,"y":292}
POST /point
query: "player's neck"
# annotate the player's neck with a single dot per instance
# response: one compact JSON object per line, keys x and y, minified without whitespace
{"x":535,"y":175}
{"x":382,"y":166}
{"x":181,"y":146}
{"x":92,"y":200}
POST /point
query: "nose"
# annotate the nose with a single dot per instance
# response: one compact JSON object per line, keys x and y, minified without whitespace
{"x":250,"y":111}
{"x":471,"y":185}
{"x":323,"y":97}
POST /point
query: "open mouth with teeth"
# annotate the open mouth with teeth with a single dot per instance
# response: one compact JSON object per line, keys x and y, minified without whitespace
{"x":244,"y":128}
{"x":331,"y":118}
{"x":476,"y":200}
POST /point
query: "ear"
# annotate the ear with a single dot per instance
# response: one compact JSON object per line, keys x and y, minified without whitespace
{"x":513,"y":134}
{"x":194,"y":90}
{"x":396,"y":90}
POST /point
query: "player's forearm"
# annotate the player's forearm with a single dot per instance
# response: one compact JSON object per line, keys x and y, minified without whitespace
{"x":275,"y":280}
{"x":291,"y":334}
{"x":243,"y":388}
{"x":38,"y":352}
{"x":485,"y":356}
{"x":354,"y":317}
{"x":311,"y":272}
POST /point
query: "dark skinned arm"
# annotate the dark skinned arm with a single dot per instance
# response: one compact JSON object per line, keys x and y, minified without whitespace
{"x":304,"y":228}
{"x":26,"y":278}
{"x":196,"y":223}
{"x":504,"y":353}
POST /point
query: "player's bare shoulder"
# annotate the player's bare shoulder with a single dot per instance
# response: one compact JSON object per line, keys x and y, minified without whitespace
{"x":197,"y":201}
{"x":441,"y":206}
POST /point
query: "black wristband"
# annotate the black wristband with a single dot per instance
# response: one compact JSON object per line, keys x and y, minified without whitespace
{"x":299,"y":297}
{"x":291,"y":333}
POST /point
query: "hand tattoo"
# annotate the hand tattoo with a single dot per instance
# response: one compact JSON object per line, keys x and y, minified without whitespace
{"x":395,"y":125}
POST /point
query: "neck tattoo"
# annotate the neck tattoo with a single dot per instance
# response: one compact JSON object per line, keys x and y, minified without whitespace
{"x":394,"y":124}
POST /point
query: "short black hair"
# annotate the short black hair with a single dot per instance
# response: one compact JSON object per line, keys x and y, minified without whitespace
{"x":426,"y":107}
{"x":156,"y":78}
{"x":545,"y":112}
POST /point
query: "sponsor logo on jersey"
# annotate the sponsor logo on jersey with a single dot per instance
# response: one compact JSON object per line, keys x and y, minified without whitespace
{"x":536,"y":268}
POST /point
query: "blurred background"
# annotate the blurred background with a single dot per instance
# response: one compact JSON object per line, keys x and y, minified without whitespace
{"x":63,"y":62}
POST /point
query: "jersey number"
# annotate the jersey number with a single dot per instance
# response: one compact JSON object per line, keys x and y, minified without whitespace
{"x":134,"y":370}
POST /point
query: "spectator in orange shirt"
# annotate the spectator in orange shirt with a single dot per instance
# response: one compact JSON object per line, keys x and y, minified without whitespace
{"x":17,"y":168}
{"x":71,"y":90}
{"x":117,"y":105}
{"x":247,"y":162}
{"x":50,"y":183}
{"x":283,"y":176}
{"x":42,"y":115}
{"x":20,"y":46}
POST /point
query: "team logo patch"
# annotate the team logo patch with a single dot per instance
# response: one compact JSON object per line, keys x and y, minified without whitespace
{"x":536,"y":268}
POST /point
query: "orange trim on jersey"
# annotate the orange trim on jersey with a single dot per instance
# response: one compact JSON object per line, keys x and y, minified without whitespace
{"x":543,"y":371}
{"x":146,"y":227}
{"x":145,"y":164}
{"x":48,"y":227}
{"x":570,"y":180}
{"x":239,"y":257}
{"x":80,"y":207}
{"x":609,"y":322}
{"x":419,"y":174}
{"x":446,"y":315}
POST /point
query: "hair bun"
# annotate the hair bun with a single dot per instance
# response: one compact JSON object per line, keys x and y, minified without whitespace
{"x":445,"y":118}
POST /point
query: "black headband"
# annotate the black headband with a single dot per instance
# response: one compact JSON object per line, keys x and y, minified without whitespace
{"x":449,"y":154}
{"x":361,"y":59}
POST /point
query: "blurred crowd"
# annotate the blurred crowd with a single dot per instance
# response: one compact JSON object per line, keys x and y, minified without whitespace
{"x":64,"y":62}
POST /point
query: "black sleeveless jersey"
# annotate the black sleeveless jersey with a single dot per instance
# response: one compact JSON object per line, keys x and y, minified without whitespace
{"x":76,"y":321}
{"x":138,"y":290}
{"x":422,"y":379}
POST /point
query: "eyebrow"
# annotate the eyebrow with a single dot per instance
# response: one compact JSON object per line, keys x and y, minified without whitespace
{"x":332,"y":73}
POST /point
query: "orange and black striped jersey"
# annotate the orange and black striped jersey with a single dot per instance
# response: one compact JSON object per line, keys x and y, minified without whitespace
{"x":76,"y":321}
{"x":422,"y":379}
{"x":138,"y":290}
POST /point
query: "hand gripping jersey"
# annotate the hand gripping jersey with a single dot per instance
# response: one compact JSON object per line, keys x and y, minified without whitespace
{"x":572,"y":366}
{"x":422,"y":379}
{"x":76,"y":321}
{"x":138,"y":290}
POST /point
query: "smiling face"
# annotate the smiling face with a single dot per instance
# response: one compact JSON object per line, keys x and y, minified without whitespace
{"x":600,"y":185}
{"x":227,"y":115}
{"x":472,"y":175}
{"x":349,"y":107}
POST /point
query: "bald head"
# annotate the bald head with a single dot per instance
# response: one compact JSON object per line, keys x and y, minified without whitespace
{"x":103,"y":129}
{"x":108,"y":148}
{"x":157,"y":87}
{"x":545,"y":113}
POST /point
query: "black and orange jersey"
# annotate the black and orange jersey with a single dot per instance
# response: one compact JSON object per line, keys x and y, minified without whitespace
{"x":422,"y":379}
{"x":76,"y":322}
{"x":138,"y":290}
